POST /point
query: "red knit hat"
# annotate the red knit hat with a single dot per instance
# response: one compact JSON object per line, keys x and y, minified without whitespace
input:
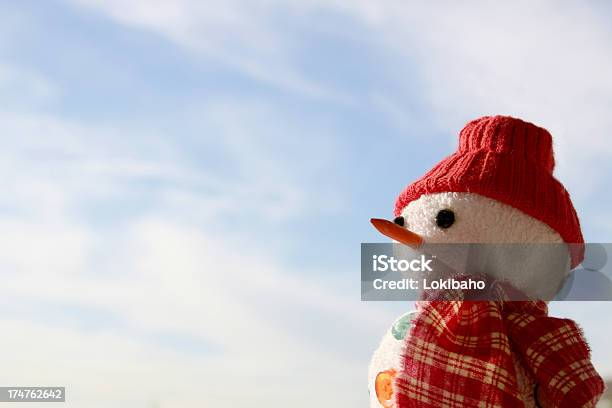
{"x":510,"y":161}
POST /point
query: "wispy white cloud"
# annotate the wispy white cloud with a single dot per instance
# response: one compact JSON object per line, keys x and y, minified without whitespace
{"x":157,"y":304}
{"x":241,"y":35}
{"x":172,"y":279}
{"x":546,"y":62}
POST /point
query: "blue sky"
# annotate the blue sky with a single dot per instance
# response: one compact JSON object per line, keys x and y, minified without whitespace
{"x":186,"y":184}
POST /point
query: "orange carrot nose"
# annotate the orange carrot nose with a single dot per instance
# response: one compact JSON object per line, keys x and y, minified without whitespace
{"x":397,"y":233}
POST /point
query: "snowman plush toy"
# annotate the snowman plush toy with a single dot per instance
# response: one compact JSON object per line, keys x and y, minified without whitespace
{"x":497,"y":188}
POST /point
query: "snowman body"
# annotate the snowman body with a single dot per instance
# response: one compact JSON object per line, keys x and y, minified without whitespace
{"x":476,"y":219}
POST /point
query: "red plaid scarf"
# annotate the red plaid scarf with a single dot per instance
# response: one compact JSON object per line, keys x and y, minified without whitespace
{"x":460,"y":354}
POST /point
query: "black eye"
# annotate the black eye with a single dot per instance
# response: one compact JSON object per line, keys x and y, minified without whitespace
{"x":399,"y":221}
{"x":445,"y":218}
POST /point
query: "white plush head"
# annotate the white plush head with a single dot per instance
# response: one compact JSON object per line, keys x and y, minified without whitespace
{"x":478,"y":219}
